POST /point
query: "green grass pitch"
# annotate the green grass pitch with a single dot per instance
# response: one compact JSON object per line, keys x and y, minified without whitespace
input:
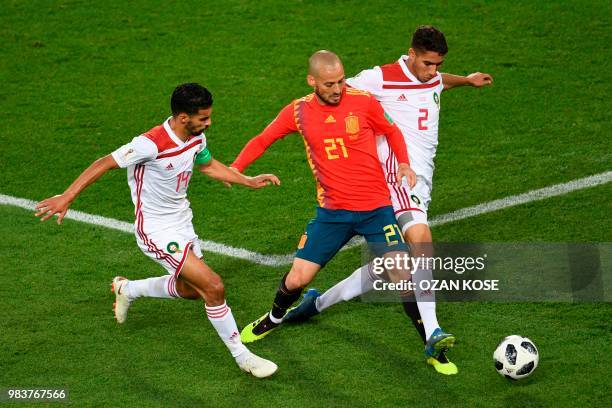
{"x":79,"y":79}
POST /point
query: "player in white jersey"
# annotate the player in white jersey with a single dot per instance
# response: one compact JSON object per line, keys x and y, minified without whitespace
{"x":159,"y":165}
{"x":409,"y":90}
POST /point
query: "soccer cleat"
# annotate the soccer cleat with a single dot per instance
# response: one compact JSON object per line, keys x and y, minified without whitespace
{"x":442,"y":364}
{"x":258,"y":329}
{"x":305,"y":310}
{"x":439,"y":341}
{"x":122,"y":303}
{"x":257,"y":366}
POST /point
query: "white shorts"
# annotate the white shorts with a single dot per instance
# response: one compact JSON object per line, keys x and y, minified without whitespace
{"x":169,"y":247}
{"x":410,"y":205}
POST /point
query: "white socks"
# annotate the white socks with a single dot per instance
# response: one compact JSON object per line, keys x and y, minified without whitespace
{"x":361,"y":281}
{"x":426,"y":301}
{"x":358,"y":283}
{"x":274,"y":319}
{"x":220,"y":316}
{"x":161,"y":287}
{"x":223,"y":321}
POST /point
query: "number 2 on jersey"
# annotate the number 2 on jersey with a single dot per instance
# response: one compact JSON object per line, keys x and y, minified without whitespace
{"x":423,"y":118}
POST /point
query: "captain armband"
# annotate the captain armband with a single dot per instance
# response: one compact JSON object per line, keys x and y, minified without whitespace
{"x":204,"y":157}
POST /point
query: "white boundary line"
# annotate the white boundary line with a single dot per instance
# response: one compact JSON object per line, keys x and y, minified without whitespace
{"x":210,"y":246}
{"x":533,"y":195}
{"x":280,"y":260}
{"x":511,"y":201}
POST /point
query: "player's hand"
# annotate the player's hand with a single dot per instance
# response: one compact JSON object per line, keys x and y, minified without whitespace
{"x":405,"y":171}
{"x":262,"y":180}
{"x":58,"y":204}
{"x":478,"y":79}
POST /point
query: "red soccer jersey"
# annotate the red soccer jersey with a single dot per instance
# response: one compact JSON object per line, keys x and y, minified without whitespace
{"x":340,"y":147}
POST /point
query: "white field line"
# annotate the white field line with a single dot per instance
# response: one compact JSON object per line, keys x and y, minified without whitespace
{"x":280,"y":260}
{"x":511,"y":201}
{"x":209,"y":246}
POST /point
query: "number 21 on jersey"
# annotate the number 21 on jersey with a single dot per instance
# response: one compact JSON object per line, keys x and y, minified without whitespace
{"x":332,"y":149}
{"x":393,"y":234}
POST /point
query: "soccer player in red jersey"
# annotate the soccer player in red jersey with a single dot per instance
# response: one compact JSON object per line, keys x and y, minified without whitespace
{"x":409,"y":90}
{"x":338,"y":125}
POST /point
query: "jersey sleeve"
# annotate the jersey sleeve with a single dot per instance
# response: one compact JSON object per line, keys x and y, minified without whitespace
{"x":368,"y":80}
{"x":139,"y":150}
{"x":383,"y":124}
{"x":281,"y":126}
{"x":204,"y":145}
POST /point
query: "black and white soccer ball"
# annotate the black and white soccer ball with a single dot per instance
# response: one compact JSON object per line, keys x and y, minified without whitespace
{"x":516,"y":357}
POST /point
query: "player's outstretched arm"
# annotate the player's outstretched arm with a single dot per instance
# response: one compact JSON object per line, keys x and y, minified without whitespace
{"x":477,"y":80}
{"x":219,"y":171}
{"x":281,"y":126}
{"x":59,"y":204}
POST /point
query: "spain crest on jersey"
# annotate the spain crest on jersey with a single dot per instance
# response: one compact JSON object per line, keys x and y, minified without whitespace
{"x":352,"y":124}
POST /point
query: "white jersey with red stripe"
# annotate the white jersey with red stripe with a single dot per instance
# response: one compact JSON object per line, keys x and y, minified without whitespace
{"x":159,"y":167}
{"x":413,"y":105}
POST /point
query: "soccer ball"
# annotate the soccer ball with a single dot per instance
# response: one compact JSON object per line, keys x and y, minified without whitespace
{"x":516,"y":357}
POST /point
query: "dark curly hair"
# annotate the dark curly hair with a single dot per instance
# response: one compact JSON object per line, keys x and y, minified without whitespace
{"x":190,"y":98}
{"x":429,"y":38}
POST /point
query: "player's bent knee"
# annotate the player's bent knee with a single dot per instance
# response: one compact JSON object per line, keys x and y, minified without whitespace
{"x":185,"y":291}
{"x":418,"y":234}
{"x":210,"y":286}
{"x":298,"y":278}
{"x":301,"y":274}
{"x":295,"y":281}
{"x":215,"y":287}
